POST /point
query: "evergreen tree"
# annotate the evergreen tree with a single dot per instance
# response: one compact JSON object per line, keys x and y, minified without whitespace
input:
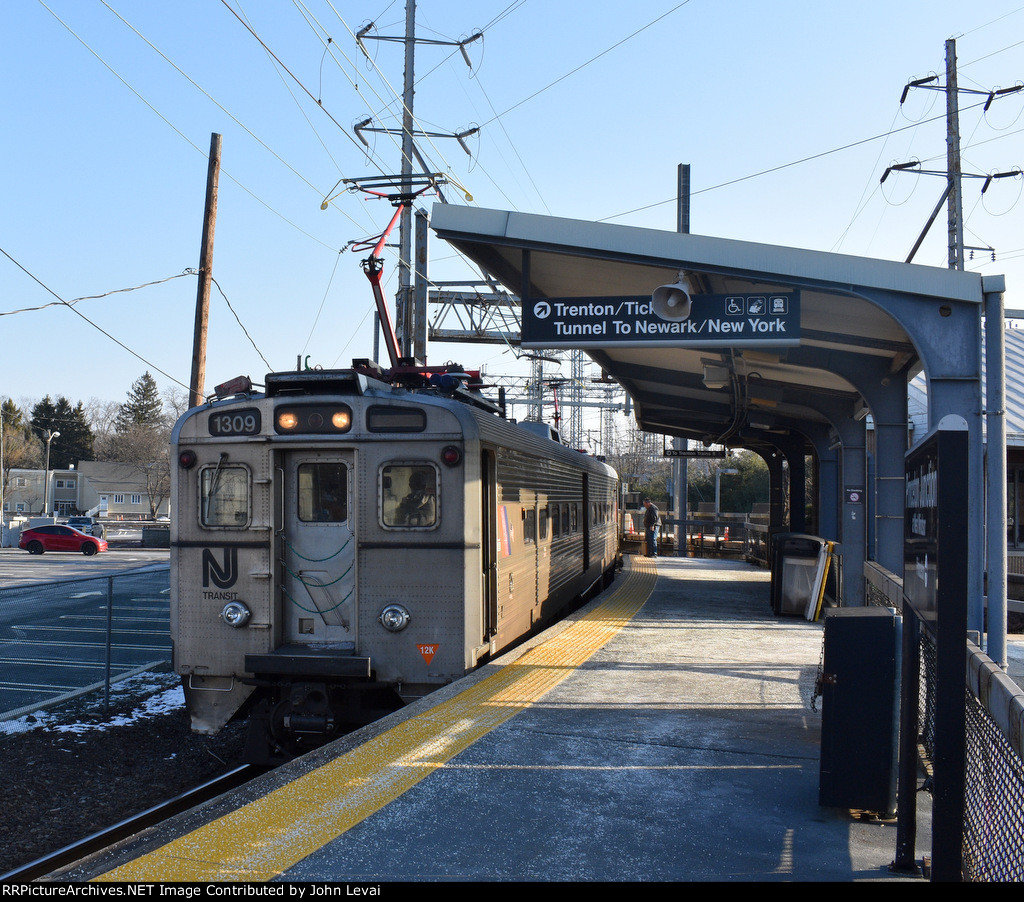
{"x":75,"y":442}
{"x":13,"y":417}
{"x":143,"y":408}
{"x":44,"y":417}
{"x":76,"y":439}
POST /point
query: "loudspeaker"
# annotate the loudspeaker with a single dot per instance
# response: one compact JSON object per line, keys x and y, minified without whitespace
{"x":672,"y":301}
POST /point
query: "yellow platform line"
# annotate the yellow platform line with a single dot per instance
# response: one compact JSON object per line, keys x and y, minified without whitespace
{"x":265,"y":837}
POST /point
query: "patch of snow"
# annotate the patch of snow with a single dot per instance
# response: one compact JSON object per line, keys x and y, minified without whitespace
{"x":163,"y":695}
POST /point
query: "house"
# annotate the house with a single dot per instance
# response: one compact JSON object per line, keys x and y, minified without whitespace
{"x":109,"y":490}
{"x":119,"y":491}
{"x":26,"y":492}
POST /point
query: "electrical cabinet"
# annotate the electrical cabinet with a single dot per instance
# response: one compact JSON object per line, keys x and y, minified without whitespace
{"x":860,"y":709}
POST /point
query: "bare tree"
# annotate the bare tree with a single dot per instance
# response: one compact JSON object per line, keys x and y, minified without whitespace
{"x":101,"y":416}
{"x":175,"y":401}
{"x":143,"y":452}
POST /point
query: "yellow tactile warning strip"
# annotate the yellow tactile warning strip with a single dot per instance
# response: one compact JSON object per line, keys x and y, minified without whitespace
{"x":264,"y":838}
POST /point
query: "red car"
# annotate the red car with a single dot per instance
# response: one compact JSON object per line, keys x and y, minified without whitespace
{"x":59,"y":538}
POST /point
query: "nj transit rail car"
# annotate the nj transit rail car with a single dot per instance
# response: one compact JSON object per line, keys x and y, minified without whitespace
{"x":341,"y":545}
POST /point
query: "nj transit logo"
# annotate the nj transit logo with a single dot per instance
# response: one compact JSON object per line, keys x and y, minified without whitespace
{"x":224,"y":573}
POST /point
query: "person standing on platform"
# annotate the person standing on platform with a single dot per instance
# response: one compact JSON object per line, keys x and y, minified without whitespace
{"x":651,"y":527}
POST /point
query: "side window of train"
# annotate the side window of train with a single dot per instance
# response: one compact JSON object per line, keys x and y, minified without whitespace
{"x":575,"y":517}
{"x":556,"y":520}
{"x":566,"y":527}
{"x":408,"y":496}
{"x":543,"y":524}
{"x":529,"y":527}
{"x":224,"y":496}
{"x":323,"y":492}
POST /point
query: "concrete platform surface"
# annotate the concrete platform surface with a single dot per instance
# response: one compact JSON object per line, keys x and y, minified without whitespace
{"x":682,"y":747}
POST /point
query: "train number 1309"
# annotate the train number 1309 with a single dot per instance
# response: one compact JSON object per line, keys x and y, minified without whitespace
{"x":238,"y":422}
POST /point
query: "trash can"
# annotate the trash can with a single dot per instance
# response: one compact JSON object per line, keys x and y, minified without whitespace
{"x":860,"y":709}
{"x":797,"y":570}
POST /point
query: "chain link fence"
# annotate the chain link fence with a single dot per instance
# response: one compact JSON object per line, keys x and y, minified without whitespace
{"x":993,"y":828}
{"x":63,"y":639}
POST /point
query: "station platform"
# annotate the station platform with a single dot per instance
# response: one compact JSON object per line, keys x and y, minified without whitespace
{"x":664,"y":732}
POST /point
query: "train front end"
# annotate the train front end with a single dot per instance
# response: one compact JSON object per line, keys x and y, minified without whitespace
{"x":319,"y":557}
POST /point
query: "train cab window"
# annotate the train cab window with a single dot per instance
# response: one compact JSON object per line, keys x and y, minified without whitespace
{"x":323,"y":492}
{"x":408,"y":496}
{"x":224,"y":496}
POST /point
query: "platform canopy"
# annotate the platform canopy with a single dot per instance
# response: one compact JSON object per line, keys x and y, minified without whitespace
{"x":737,"y":388}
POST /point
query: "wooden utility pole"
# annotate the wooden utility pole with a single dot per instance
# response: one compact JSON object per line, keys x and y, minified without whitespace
{"x":195,"y":397}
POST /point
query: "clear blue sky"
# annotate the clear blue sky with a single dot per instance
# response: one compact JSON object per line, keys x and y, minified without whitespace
{"x":788,"y":113}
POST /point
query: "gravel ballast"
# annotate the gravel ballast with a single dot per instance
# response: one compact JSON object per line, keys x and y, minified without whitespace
{"x":76,"y":769}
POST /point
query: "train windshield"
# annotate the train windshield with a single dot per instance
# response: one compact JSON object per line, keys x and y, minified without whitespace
{"x":225,"y":496}
{"x":408,"y":495}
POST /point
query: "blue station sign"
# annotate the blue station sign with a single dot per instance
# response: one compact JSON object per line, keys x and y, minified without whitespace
{"x":713,"y":320}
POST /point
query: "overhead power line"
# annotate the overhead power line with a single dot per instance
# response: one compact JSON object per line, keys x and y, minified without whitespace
{"x":77,"y":312}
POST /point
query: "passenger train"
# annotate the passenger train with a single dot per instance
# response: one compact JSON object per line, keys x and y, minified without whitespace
{"x":345,"y":541}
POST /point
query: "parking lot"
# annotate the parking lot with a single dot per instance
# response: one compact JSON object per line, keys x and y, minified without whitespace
{"x":70,"y":622}
{"x":19,"y":568}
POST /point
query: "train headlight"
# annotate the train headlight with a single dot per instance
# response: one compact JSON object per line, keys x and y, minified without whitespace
{"x":235,"y":614}
{"x":312,"y":419}
{"x":394,"y":618}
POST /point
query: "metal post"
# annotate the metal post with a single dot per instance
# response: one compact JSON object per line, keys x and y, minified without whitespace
{"x":419,"y":338}
{"x":955,"y":209}
{"x":404,"y":312}
{"x":50,"y":436}
{"x":995,"y":475}
{"x":906,"y":786}
{"x":110,"y":642}
{"x":679,"y":464}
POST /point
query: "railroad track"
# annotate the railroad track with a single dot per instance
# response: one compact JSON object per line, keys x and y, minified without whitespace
{"x":128,"y":827}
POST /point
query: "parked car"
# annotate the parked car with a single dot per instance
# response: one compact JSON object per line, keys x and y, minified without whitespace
{"x":89,"y":525}
{"x":59,"y":538}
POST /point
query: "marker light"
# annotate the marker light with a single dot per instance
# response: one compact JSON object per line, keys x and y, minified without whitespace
{"x":394,"y":618}
{"x":187,"y":460}
{"x":451,"y":456}
{"x":235,"y":614}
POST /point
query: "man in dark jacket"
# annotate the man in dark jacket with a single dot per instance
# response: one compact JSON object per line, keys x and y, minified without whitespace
{"x":651,"y":527}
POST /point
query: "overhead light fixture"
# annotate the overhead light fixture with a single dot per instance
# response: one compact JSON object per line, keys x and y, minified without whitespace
{"x":715,"y":376}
